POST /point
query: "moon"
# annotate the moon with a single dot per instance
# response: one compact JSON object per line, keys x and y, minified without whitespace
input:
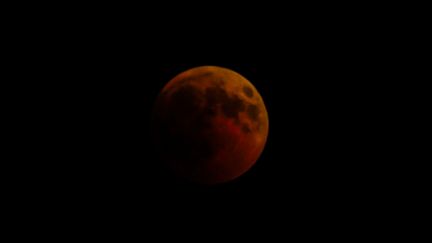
{"x":210,"y":125}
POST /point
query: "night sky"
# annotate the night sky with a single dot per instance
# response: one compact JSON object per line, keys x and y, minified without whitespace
{"x":314,"y":151}
{"x":334,"y":81}
{"x":322,"y":92}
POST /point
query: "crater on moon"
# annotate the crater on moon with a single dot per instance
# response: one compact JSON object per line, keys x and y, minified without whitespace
{"x":248,"y":91}
{"x":245,"y":128}
{"x":253,"y":112}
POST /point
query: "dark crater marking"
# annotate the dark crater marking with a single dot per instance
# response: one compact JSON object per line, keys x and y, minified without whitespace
{"x":248,"y":91}
{"x":253,"y":112}
{"x":245,"y":128}
{"x":230,"y":105}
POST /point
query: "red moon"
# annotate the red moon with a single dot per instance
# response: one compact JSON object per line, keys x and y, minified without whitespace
{"x":210,"y":125}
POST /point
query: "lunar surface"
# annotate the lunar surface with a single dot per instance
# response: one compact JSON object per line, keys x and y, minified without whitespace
{"x":210,"y":125}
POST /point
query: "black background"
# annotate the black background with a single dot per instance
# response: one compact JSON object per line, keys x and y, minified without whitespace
{"x":322,"y":81}
{"x":317,"y":99}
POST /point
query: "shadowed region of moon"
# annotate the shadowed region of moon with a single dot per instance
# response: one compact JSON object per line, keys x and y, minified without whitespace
{"x":206,"y":126}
